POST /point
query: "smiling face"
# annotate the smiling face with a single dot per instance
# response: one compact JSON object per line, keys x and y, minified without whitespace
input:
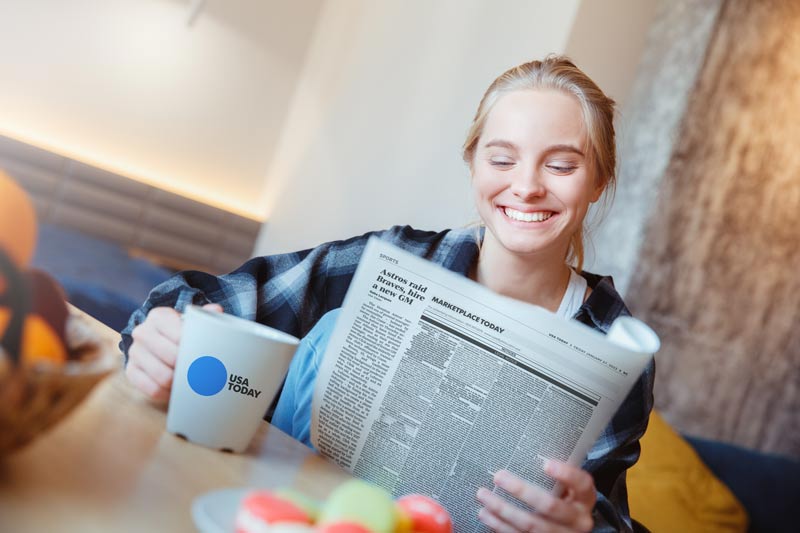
{"x":533,"y":183}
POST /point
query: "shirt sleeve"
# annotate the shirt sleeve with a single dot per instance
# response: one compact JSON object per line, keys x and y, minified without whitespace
{"x":616,"y":450}
{"x":293,"y":412}
{"x":289,"y":292}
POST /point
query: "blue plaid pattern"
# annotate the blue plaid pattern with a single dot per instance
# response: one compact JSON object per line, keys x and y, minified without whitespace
{"x":291,"y":292}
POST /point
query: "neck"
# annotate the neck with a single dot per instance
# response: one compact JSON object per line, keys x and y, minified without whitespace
{"x":539,"y":279}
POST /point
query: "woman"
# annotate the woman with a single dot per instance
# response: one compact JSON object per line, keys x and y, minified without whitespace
{"x":540,"y":151}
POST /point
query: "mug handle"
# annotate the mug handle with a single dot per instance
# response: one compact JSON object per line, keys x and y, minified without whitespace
{"x":18,"y":303}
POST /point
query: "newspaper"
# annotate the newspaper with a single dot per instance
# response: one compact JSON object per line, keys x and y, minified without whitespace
{"x":432,"y":382}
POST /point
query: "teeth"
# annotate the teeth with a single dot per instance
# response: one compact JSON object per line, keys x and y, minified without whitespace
{"x":538,"y":216}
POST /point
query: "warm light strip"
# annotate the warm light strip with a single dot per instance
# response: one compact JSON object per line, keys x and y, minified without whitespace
{"x":135,"y":175}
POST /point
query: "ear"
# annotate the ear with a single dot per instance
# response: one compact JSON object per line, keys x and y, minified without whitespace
{"x":597,"y":193}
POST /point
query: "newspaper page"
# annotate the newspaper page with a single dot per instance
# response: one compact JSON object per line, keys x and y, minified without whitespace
{"x":431,"y":383}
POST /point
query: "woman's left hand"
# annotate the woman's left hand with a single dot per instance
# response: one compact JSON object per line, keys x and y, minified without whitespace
{"x":570,"y":512}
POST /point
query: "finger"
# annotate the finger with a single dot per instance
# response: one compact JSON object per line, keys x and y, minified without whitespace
{"x":505,"y":511}
{"x":574,"y":479}
{"x":216,"y":308}
{"x":538,"y":525}
{"x":145,"y":384}
{"x":519,"y":519}
{"x":149,"y":342}
{"x":546,"y":504}
{"x":495,"y":523}
{"x":166,"y":321}
{"x":532,"y":522}
{"x":151,"y":365}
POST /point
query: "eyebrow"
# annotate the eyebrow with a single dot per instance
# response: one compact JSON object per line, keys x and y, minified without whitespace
{"x":553,"y":148}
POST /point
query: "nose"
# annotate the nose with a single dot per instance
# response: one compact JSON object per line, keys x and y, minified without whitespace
{"x":528,"y":184}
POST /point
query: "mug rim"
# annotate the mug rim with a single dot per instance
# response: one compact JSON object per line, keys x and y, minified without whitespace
{"x":243,"y":324}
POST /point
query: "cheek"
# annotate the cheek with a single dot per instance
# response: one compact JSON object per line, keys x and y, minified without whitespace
{"x":478,"y":188}
{"x":486,"y":186}
{"x":579,"y":195}
{"x":481,"y":198}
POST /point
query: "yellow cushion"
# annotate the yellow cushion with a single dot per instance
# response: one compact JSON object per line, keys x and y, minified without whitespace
{"x":671,"y":489}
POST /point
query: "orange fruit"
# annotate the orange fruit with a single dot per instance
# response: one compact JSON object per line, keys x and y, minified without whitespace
{"x":48,"y":300}
{"x":39,"y":342}
{"x":17,"y":224}
{"x":17,"y":221}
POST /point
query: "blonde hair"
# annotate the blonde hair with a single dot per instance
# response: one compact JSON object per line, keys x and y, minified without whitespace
{"x":560,"y":73}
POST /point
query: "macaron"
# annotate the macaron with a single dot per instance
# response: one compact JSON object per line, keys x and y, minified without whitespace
{"x":261,"y":511}
{"x":309,"y":505}
{"x":426,"y":514}
{"x":402,"y":521}
{"x":286,"y":527}
{"x":357,"y":502}
{"x":342,"y":527}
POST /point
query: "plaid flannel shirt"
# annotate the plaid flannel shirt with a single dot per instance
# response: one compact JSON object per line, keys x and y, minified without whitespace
{"x":292,"y":291}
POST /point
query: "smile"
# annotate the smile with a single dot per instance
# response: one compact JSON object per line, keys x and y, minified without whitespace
{"x":536,"y":216}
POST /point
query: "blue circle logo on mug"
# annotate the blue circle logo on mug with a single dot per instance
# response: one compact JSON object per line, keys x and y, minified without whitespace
{"x":207,"y":375}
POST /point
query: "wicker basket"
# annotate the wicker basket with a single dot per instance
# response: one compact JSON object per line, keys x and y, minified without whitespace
{"x":34,"y":399}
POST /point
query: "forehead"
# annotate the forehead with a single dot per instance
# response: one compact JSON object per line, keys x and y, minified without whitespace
{"x":536,"y":117}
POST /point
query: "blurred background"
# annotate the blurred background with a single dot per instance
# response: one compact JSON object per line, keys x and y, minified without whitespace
{"x":155,"y":135}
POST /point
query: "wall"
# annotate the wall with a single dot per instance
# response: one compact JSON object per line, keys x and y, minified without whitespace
{"x":376,"y":118}
{"x":648,"y":127}
{"x":607,"y":40}
{"x":128,"y":86}
{"x":718,"y":270}
{"x":385,"y":99}
{"x":167,"y":228}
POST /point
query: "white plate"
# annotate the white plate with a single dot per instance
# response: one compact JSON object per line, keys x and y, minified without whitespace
{"x":215,"y":511}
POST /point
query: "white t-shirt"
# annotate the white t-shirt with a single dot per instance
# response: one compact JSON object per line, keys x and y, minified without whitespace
{"x":573,"y":296}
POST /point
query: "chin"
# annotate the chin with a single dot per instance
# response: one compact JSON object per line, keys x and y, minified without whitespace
{"x":523,"y":243}
{"x":521,"y":246}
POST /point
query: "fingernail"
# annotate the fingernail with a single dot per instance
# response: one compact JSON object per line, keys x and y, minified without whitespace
{"x":549,"y":467}
{"x":501,"y":477}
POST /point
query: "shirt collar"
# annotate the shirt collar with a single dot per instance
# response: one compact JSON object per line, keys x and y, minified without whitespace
{"x":599,"y":311}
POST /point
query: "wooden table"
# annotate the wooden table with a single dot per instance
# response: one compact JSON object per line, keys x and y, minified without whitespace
{"x":110,"y":466}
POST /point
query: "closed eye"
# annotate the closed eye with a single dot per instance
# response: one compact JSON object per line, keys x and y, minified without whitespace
{"x":501,"y":162}
{"x":562,"y":169}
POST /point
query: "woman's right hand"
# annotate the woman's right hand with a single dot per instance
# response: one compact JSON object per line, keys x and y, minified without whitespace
{"x":152,"y":355}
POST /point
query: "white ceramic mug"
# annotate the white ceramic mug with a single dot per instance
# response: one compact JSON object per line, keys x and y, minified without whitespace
{"x":227,"y":373}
